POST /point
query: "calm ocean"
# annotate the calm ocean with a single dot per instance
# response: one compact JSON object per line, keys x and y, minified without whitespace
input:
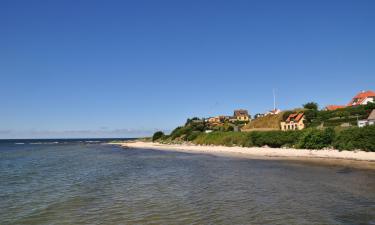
{"x":88,"y":182}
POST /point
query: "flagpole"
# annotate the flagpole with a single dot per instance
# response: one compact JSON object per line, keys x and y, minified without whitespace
{"x":274,"y":99}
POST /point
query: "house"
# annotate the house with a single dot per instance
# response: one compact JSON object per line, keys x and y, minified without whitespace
{"x":241,"y":115}
{"x":259,"y":115}
{"x":369,"y":121}
{"x":361,"y":98}
{"x":273,"y":112}
{"x":217,"y":120}
{"x":295,"y":121}
{"x":334,"y":107}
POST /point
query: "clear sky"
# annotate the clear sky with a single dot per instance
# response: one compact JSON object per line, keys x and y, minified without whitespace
{"x":125,"y":68}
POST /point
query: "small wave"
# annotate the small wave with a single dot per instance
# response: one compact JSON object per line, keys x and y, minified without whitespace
{"x":19,"y":143}
{"x":44,"y":143}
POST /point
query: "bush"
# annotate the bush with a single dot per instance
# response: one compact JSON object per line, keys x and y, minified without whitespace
{"x":157,"y":135}
{"x":316,"y":139}
{"x":275,"y":139}
{"x":193,"y":135}
{"x":356,"y":138}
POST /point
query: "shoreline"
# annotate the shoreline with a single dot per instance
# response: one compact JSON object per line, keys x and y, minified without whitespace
{"x":355,"y":159}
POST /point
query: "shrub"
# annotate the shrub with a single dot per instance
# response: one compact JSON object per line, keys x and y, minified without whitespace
{"x":370,"y":106}
{"x":193,"y":135}
{"x":356,"y":138}
{"x":275,"y":139}
{"x":157,"y":135}
{"x":316,"y":139}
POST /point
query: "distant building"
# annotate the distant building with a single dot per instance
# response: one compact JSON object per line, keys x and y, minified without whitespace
{"x":258,"y":115}
{"x":241,"y":115}
{"x":273,"y":112}
{"x":294,"y":121}
{"x":217,"y":120}
{"x":369,"y":121}
{"x":334,"y":107}
{"x":361,"y":98}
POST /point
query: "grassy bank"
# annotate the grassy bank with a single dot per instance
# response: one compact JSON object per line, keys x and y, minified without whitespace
{"x":342,"y":139}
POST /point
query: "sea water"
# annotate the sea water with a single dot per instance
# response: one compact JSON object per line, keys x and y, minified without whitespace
{"x":89,"y":182}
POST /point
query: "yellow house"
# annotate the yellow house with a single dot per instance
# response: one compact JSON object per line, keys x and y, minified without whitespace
{"x":241,"y":115}
{"x":295,"y":121}
{"x":217,"y":119}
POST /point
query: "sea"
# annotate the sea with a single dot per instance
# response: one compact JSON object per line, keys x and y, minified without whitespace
{"x":88,"y":181}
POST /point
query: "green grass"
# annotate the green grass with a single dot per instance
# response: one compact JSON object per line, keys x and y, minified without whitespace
{"x":268,"y":122}
{"x":343,"y":139}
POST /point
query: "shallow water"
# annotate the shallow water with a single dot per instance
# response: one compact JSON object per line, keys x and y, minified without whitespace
{"x":80,"y":183}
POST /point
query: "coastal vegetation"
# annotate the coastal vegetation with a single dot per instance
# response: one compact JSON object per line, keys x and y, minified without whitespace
{"x":324,"y":129}
{"x":343,"y":139}
{"x":157,"y":135}
{"x":338,"y":117}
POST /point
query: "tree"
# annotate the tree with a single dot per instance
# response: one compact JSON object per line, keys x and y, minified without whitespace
{"x":188,"y":121}
{"x":157,"y":135}
{"x":310,"y":115}
{"x":370,"y":106}
{"x":311,"y":105}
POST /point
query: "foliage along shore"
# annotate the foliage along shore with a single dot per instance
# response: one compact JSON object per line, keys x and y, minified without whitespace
{"x":314,"y":137}
{"x":349,"y":139}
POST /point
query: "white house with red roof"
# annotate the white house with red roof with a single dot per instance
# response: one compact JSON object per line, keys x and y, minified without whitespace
{"x":361,"y":98}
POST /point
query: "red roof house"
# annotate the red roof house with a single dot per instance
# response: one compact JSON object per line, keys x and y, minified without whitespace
{"x":362,"y":98}
{"x":295,"y":121}
{"x":334,"y":107}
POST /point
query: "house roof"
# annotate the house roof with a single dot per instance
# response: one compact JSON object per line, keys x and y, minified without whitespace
{"x":241,"y":112}
{"x":372,"y":115}
{"x":296,"y":117}
{"x":334,"y":107}
{"x":360,"y":97}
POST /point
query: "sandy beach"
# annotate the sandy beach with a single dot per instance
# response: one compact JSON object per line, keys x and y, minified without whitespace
{"x":357,"y":159}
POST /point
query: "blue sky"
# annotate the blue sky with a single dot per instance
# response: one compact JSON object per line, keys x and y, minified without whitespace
{"x":126,"y":68}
